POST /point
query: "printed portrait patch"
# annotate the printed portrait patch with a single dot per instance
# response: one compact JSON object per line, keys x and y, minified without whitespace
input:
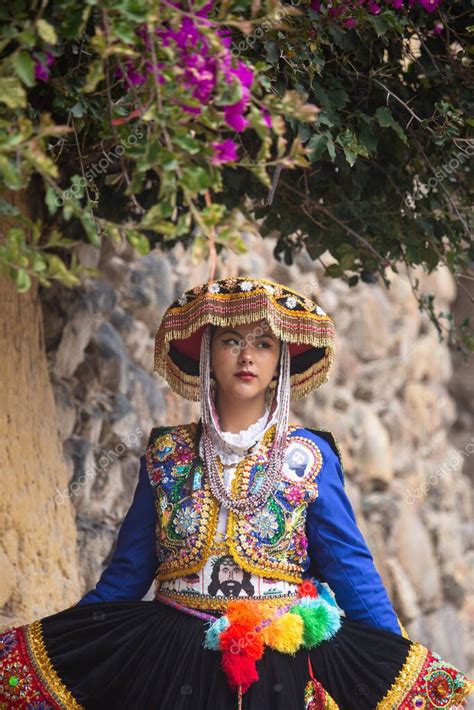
{"x":302,"y":460}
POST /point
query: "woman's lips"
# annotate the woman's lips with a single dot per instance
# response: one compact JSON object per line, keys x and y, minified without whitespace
{"x":246,"y":378}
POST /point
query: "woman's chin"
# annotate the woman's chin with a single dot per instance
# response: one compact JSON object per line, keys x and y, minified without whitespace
{"x":241,"y":390}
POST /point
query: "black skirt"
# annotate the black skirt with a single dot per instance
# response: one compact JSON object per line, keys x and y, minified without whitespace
{"x":150,"y":656}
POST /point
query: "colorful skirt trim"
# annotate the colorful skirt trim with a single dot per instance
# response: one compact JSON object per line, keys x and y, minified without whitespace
{"x":149,"y":655}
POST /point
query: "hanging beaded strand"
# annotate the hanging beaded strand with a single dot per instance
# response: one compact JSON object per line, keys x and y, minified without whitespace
{"x":277,"y":451}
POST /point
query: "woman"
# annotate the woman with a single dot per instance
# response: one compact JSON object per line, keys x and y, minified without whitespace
{"x":266,"y":593}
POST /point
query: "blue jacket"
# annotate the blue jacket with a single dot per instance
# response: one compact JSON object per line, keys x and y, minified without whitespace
{"x":337,"y":549}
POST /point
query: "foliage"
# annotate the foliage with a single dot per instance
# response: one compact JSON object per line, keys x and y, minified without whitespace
{"x":161,"y":120}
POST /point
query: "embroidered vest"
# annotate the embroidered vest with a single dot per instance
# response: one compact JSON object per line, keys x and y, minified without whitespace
{"x":270,"y":541}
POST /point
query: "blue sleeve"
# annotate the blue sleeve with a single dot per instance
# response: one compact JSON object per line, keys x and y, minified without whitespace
{"x":339,"y":554}
{"x":131,"y":571}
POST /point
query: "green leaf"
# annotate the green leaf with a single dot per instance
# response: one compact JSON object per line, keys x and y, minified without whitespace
{"x":351,"y":145}
{"x":317,"y":145}
{"x":188,"y":144}
{"x":386,"y":120}
{"x":52,"y":200}
{"x":10,"y":174}
{"x":22,"y":280}
{"x":12,"y":92}
{"x":46,"y":31}
{"x":24,"y":67}
{"x":95,"y":74}
{"x":139,"y":242}
{"x":196,"y":179}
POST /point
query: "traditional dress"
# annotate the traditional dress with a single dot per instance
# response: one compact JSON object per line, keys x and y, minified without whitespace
{"x":276,"y":605}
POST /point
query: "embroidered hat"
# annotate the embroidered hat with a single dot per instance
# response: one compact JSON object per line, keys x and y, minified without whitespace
{"x":292,"y":317}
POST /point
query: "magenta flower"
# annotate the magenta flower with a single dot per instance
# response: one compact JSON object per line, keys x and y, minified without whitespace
{"x":315,"y":5}
{"x":373,"y":7}
{"x":438,"y":28}
{"x":350,"y":23}
{"x":42,"y":67}
{"x":132,"y":76}
{"x":225,"y":152}
{"x":266,"y":117}
{"x":234,"y":116}
{"x":429,"y":5}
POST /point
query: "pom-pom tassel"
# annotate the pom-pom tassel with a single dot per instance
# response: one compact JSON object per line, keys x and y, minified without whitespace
{"x":285,"y":634}
{"x":239,"y":669}
{"x":212,"y":635}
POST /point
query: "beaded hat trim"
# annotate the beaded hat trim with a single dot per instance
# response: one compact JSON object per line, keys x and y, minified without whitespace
{"x":292,"y":317}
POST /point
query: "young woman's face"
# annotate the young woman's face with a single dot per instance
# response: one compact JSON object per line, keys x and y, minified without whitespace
{"x":250,"y":347}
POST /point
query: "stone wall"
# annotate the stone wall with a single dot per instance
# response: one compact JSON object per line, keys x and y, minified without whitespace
{"x":387,"y":402}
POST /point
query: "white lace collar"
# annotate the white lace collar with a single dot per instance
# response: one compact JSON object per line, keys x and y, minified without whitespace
{"x":232,"y":446}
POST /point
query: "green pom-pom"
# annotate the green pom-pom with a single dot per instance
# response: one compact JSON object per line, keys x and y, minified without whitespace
{"x":316,"y":622}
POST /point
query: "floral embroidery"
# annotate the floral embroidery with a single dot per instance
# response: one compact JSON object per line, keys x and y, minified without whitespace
{"x":320,"y":311}
{"x":425,"y":681}
{"x":186,"y":521}
{"x":27,"y":679}
{"x":246,"y":285}
{"x":265,"y":522}
{"x":294,"y":494}
{"x":7,"y":642}
{"x":291,"y":302}
{"x":214,"y":288}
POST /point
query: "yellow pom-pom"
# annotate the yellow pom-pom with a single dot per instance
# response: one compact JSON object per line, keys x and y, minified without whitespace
{"x":285,"y":634}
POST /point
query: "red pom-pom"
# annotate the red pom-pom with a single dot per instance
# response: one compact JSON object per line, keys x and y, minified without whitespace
{"x":241,"y":638}
{"x":240,"y":670}
{"x":307,"y":589}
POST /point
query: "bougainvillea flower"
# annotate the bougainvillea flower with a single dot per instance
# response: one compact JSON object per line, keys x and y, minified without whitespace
{"x":373,"y":7}
{"x":224,"y":152}
{"x":42,"y":67}
{"x":429,"y":5}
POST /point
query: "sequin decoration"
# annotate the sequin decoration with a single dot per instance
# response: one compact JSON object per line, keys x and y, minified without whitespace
{"x":269,"y":542}
{"x":23,"y":681}
{"x":426,"y":681}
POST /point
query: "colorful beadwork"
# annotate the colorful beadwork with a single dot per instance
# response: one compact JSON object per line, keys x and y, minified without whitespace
{"x":270,"y":542}
{"x":27,"y":677}
{"x":426,"y":681}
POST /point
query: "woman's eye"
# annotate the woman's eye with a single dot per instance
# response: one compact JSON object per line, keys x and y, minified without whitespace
{"x":234,"y":340}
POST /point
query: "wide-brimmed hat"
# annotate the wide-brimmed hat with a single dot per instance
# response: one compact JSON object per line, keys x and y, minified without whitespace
{"x":292,"y":317}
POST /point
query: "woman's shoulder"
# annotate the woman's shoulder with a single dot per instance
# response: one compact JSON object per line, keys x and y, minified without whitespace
{"x":174,"y":430}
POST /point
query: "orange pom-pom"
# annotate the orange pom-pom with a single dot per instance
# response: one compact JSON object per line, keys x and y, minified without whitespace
{"x":246,"y":611}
